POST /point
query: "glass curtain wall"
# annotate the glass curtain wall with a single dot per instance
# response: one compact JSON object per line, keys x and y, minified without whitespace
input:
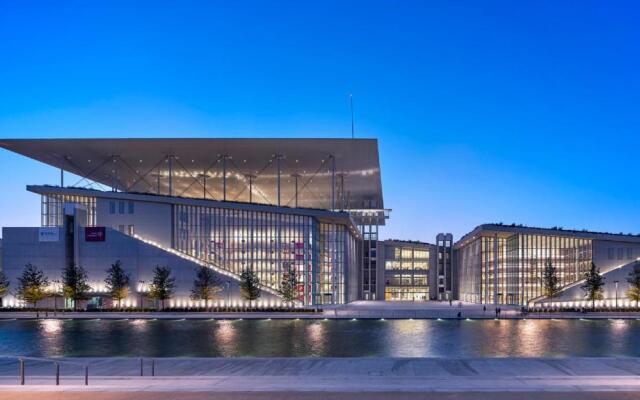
{"x":52,"y":208}
{"x":470,"y":270}
{"x":406,"y":274}
{"x":520,"y":261}
{"x":527,"y":256}
{"x":271,"y":244}
{"x":494,"y":278}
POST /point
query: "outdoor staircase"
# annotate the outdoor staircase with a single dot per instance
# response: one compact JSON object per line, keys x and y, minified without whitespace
{"x":217,"y":268}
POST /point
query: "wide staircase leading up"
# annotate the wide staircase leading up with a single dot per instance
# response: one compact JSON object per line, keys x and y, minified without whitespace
{"x":217,"y":268}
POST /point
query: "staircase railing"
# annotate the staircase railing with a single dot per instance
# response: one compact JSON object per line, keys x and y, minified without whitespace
{"x":219,"y":269}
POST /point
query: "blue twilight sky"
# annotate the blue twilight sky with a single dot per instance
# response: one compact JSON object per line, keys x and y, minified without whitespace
{"x":525,"y":112}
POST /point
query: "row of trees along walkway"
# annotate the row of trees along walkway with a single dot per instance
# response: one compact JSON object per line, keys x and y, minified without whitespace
{"x":33,"y":285}
{"x":593,"y":285}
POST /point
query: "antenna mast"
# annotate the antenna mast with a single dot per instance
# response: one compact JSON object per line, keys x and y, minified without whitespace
{"x":353,"y":128}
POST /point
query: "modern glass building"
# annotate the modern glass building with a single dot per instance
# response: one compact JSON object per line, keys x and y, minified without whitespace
{"x":500,"y":264}
{"x":274,"y":206}
{"x":309,"y":207}
{"x":409,"y":270}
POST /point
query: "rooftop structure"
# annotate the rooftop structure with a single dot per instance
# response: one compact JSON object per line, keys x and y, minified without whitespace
{"x":314,"y":173}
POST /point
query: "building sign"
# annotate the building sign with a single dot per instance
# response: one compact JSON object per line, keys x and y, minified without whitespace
{"x":94,"y":234}
{"x":49,"y":234}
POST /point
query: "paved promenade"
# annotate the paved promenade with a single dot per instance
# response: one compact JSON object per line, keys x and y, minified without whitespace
{"x":586,"y":378}
{"x":359,"y":309}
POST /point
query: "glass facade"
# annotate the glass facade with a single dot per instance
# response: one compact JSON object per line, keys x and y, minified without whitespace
{"x":406,"y":272}
{"x":369,"y":261}
{"x":509,"y":270}
{"x":528,"y":254}
{"x":270,"y":244}
{"x":52,"y":208}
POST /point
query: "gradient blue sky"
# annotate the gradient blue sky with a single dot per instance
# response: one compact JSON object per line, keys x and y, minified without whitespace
{"x":485,"y":111}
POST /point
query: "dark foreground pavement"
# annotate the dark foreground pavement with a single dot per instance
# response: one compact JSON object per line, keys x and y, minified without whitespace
{"x":325,"y":378}
{"x":26,"y":395}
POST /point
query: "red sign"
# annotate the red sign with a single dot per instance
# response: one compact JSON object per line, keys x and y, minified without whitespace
{"x":94,"y":234}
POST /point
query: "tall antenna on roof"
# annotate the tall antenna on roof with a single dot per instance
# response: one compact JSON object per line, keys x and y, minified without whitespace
{"x":353,"y":127}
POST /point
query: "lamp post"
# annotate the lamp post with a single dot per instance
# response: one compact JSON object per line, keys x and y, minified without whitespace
{"x":140,"y":292}
{"x":616,"y":282}
{"x":56,"y":288}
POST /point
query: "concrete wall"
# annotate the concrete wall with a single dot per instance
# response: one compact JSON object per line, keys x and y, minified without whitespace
{"x":137,"y":258}
{"x":609,"y":254}
{"x":574,"y":293}
{"x":150,"y":220}
{"x":22,"y":246}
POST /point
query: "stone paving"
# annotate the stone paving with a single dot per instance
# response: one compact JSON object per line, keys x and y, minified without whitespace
{"x":331,"y":375}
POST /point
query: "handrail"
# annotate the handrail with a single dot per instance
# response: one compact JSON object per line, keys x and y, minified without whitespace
{"x":215,"y":267}
{"x":56,"y":364}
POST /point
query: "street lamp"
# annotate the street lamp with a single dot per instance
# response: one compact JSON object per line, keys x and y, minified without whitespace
{"x":140,"y":292}
{"x":616,"y":282}
{"x":56,"y":288}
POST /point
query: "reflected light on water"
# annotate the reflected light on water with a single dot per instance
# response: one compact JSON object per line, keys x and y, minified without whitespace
{"x":619,"y":326}
{"x":52,"y":336}
{"x":51,"y":326}
{"x":225,"y":336}
{"x":316,"y":336}
{"x":417,"y":333}
{"x":139,"y":325}
{"x":529,"y":333}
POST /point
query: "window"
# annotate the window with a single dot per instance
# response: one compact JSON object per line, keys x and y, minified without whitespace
{"x":130,"y":230}
{"x":620,"y":253}
{"x":407,"y":253}
{"x":420,"y":280}
{"x":121,"y":207}
{"x":610,"y":253}
{"x":392,"y":265}
{"x":422,"y":254}
{"x":131,"y":207}
{"x":397,"y":253}
{"x":121,"y":228}
{"x":420,"y":265}
{"x":112,"y":207}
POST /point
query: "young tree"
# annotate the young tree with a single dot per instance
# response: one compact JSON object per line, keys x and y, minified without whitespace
{"x":117,"y":283}
{"x":4,"y":286}
{"x":289,"y":286}
{"x":593,"y":285}
{"x":74,"y":284}
{"x":32,"y":285}
{"x":633,"y":293}
{"x":162,"y":286}
{"x":550,"y":280}
{"x":249,"y":285}
{"x":206,"y":285}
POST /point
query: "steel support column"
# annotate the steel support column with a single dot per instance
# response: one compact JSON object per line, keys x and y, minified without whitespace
{"x":170,"y":175}
{"x":333,"y":182}
{"x":278,"y":158}
{"x":295,"y":177}
{"x":204,"y":185}
{"x":114,"y":160}
{"x":224,"y":176}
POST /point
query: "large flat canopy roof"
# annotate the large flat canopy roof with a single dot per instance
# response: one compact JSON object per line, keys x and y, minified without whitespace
{"x":194,"y":168}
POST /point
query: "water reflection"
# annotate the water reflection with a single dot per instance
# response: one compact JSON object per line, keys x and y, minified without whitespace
{"x":316,"y":337}
{"x":139,"y":325}
{"x":225,"y":335}
{"x":339,"y":338}
{"x":409,"y":331}
{"x":51,"y":337}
